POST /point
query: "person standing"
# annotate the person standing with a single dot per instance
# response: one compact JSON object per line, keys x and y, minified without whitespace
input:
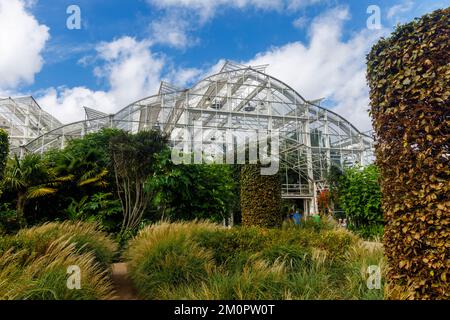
{"x":297,"y":217}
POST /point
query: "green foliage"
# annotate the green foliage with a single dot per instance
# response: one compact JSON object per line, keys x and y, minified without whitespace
{"x":99,"y":207}
{"x":161,"y":257}
{"x":97,"y":144}
{"x":250,"y":263}
{"x":8,"y":219}
{"x":230,"y":246}
{"x":4,"y":151}
{"x":359,"y":195}
{"x":87,"y":162}
{"x":408,"y":75}
{"x":134,"y":160}
{"x":260,"y":197}
{"x":187,"y":192}
{"x":43,"y":186}
{"x":31,"y":178}
{"x":33,"y":263}
{"x":86,"y":237}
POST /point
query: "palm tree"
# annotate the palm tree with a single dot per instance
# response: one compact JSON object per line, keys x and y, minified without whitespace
{"x":31,"y":178}
{"x":83,"y":168}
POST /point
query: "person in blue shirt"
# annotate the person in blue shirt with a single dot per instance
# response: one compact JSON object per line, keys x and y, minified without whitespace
{"x":297,"y":217}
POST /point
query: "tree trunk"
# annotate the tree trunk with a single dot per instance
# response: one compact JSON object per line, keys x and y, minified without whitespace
{"x":20,"y":209}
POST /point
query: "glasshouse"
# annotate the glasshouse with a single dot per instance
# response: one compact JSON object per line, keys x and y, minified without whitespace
{"x":239,"y":100}
{"x":232,"y":185}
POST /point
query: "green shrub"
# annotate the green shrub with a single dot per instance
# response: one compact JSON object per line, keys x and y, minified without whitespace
{"x":8,"y":219}
{"x":408,"y":76}
{"x":370,"y":232}
{"x":100,"y":207}
{"x":293,"y":257}
{"x":205,"y":261}
{"x":359,"y":195}
{"x":187,"y":192}
{"x":336,"y":242}
{"x":162,"y":256}
{"x":230,"y":245}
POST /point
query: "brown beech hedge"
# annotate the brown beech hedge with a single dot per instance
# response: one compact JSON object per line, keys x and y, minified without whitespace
{"x":260,"y":197}
{"x":408,"y":75}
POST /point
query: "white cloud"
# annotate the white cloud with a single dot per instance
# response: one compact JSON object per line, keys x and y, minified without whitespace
{"x":399,"y":9}
{"x":406,"y":10}
{"x":22,"y":40}
{"x":172,"y":30}
{"x":300,"y":22}
{"x":327,"y":66}
{"x":131,"y":70}
{"x":183,"y":16}
{"x":66,"y":103}
{"x":207,"y":8}
{"x":183,"y":77}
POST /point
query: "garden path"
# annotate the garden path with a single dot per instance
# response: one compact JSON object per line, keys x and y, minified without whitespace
{"x":122,"y":283}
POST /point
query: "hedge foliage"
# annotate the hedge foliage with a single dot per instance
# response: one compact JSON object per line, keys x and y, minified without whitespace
{"x":359,"y":195}
{"x":260,"y":197}
{"x":408,"y":75}
{"x":4,"y":150}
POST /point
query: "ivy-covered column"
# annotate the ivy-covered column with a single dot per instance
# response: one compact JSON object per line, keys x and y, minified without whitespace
{"x":260,"y":197}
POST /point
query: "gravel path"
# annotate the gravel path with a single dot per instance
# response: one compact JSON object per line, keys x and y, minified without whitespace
{"x":122,"y":283}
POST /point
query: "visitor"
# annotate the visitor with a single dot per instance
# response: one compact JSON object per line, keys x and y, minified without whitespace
{"x":297,"y":217}
{"x":316,"y":218}
{"x":344,"y":223}
{"x":288,"y":218}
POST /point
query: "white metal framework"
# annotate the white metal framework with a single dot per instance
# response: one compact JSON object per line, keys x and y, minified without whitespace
{"x":24,"y":120}
{"x":238,"y":98}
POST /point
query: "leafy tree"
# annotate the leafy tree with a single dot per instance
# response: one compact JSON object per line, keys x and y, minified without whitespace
{"x":87,"y":158}
{"x":186,"y":192}
{"x":134,"y":161}
{"x":87,"y":161}
{"x":359,"y":195}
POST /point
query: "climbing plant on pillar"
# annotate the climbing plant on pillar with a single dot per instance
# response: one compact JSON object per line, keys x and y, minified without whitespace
{"x":4,"y":150}
{"x":260,"y":197}
{"x":409,"y":75}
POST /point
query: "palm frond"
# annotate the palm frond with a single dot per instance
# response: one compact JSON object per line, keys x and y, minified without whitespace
{"x":37,"y":192}
{"x":93,"y":178}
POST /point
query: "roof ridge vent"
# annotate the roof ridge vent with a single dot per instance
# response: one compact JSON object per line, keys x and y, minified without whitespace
{"x":166,"y":87}
{"x":93,"y":114}
{"x":233,"y":66}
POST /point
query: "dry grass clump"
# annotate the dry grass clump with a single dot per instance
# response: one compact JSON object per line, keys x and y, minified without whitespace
{"x":200,"y":260}
{"x":161,"y":256}
{"x":34,"y":262}
{"x":86,"y":237}
{"x":45,"y":277}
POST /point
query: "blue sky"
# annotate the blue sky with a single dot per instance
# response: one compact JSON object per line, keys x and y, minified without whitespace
{"x":124,"y":48}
